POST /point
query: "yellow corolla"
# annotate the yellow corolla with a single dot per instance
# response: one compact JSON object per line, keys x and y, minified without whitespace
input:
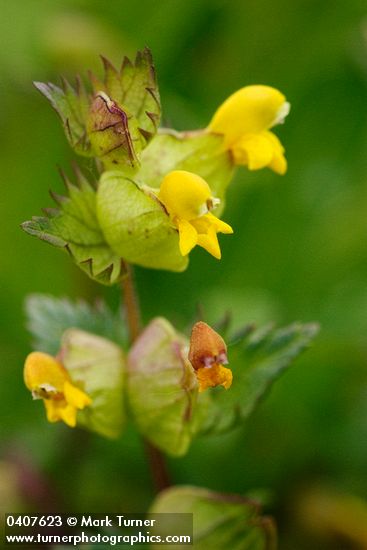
{"x":188,"y":200}
{"x":48,"y":380}
{"x":245,"y":119}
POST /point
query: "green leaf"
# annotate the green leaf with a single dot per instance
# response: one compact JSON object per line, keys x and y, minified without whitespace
{"x":199,"y":152}
{"x":74,"y":226}
{"x":134,"y":88}
{"x":98,"y":366}
{"x":257,"y":359}
{"x":72,"y":105}
{"x":136,"y":226}
{"x":48,"y":318}
{"x":219,"y":520}
{"x":162,"y":388}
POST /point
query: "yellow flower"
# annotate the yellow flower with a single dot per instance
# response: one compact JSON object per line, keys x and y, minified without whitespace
{"x":208,"y":354}
{"x":48,"y":380}
{"x":245,"y":119}
{"x":188,"y":200}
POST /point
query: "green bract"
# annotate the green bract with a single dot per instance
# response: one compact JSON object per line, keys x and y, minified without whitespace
{"x":135,"y":224}
{"x":114,"y":134}
{"x":162,"y":388}
{"x":115,"y":122}
{"x":72,"y":105}
{"x":99,"y":365}
{"x":135,"y":89}
{"x":74,"y":226}
{"x":219,"y":520}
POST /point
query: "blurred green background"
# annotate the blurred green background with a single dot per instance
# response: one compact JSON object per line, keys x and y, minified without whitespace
{"x":299,"y":251}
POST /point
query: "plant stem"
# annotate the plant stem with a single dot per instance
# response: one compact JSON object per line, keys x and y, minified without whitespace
{"x":131,"y":302}
{"x":158,"y":467}
{"x":156,"y":459}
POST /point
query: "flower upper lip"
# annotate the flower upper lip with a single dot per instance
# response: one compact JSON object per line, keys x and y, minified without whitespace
{"x":245,"y":119}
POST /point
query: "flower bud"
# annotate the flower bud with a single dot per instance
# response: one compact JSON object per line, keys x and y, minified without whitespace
{"x":207,"y":354}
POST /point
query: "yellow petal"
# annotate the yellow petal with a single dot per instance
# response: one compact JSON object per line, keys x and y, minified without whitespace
{"x":209,"y":241}
{"x":256,"y":151}
{"x":250,"y":110}
{"x":68,"y":415}
{"x":41,"y":369}
{"x":260,"y":151}
{"x":57,"y":410}
{"x":188,"y":236}
{"x":220,"y":225}
{"x":201,"y":224}
{"x":76,"y":397}
{"x":184,"y":194}
{"x":275,"y":141}
{"x":52,"y":410}
{"x":278,"y":162}
{"x":209,"y":377}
